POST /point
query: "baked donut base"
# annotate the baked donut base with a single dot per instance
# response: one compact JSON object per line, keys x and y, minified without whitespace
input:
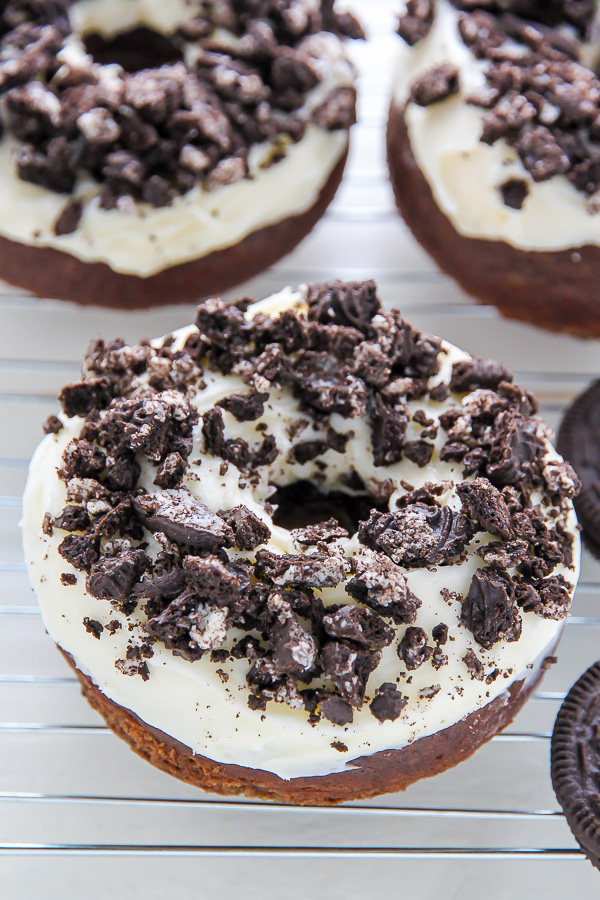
{"x":384,"y":772}
{"x":557,"y":290}
{"x":51,"y":273}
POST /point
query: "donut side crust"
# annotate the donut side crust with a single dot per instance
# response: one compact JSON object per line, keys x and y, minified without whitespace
{"x":47,"y":272}
{"x":557,"y":290}
{"x":385,"y":772}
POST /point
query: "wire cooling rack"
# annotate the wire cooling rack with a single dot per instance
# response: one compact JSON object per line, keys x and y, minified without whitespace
{"x":81,"y":816}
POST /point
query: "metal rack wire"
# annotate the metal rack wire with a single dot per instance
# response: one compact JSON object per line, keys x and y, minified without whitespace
{"x":71,"y":795}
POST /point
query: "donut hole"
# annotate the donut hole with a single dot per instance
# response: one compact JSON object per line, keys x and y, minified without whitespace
{"x":134,"y":50}
{"x":302,"y":504}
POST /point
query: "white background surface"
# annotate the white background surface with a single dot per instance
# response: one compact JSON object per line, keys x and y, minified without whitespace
{"x":81,"y":816}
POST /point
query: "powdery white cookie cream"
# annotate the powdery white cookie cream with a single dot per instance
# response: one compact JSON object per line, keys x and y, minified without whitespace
{"x":297,"y":651}
{"x":467,"y":175}
{"x":148,"y":170}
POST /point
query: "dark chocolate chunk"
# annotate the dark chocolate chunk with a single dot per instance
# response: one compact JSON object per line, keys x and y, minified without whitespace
{"x":413,"y":649}
{"x":388,"y":702}
{"x":489,"y":609}
{"x":183,"y":519}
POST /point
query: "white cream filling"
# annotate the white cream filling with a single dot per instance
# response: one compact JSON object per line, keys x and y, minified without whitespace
{"x":189,"y":701}
{"x":139,"y":239}
{"x":464,"y":174}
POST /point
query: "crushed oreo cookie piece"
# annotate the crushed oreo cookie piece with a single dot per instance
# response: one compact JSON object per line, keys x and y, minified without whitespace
{"x":484,"y":505}
{"x":359,"y":625}
{"x":489,"y":609}
{"x":387,"y":703}
{"x":317,"y":570}
{"x":418,"y":535}
{"x":435,"y":85}
{"x":335,"y":709}
{"x":474,"y":665}
{"x":348,"y":667}
{"x":93,"y":627}
{"x":113,"y":579}
{"x":81,"y":398}
{"x":381,"y":586}
{"x":413,"y":649}
{"x":249,"y":530}
{"x":514,"y":192}
{"x":184,"y":520}
{"x":245,"y":407}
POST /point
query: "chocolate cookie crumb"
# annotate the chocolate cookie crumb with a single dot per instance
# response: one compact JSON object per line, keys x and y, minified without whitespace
{"x":388,"y":703}
{"x":93,"y":627}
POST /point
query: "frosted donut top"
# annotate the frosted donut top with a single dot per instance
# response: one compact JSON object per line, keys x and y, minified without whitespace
{"x":538,"y":96}
{"x":210,"y":81}
{"x":300,"y":530}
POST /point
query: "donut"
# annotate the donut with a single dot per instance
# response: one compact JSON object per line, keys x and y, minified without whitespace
{"x":493,"y":146}
{"x":299,"y":549}
{"x":156,"y":152}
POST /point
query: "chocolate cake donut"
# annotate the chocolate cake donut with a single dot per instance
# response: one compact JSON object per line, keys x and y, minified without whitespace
{"x":300,"y":549}
{"x":156,"y":152}
{"x":494,"y":151}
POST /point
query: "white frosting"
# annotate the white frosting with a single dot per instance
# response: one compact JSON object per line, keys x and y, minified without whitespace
{"x":139,"y":239}
{"x":111,"y":17}
{"x":188,"y":700}
{"x":465,"y":174}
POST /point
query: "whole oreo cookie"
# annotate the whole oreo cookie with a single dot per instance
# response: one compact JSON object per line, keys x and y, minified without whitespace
{"x":579,"y":442}
{"x":575,"y":765}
